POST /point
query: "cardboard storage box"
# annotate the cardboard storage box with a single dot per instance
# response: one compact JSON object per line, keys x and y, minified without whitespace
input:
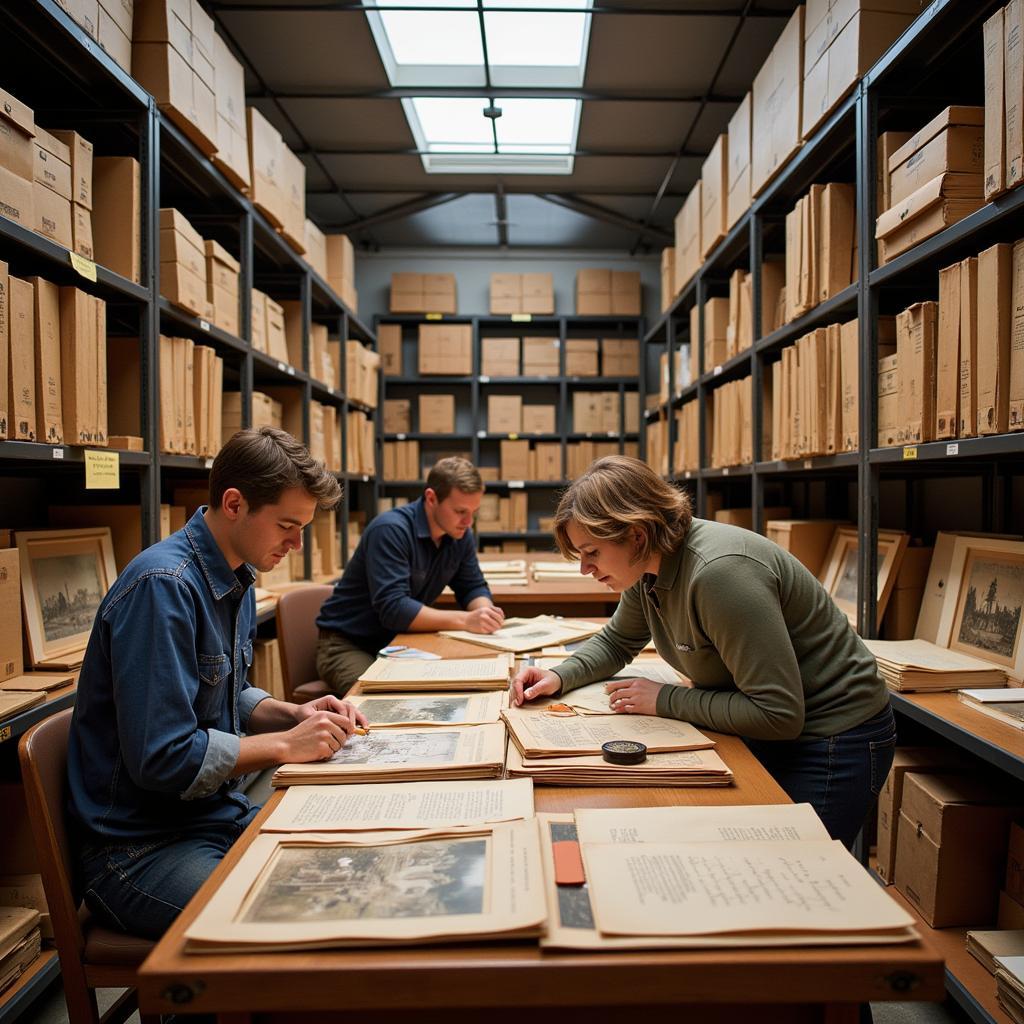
{"x":951,"y":848}
{"x":266,"y":188}
{"x":958,"y":148}
{"x":581,"y":357}
{"x":620,"y":357}
{"x":406,"y":293}
{"x":716,"y":332}
{"x":738,"y":152}
{"x":232,"y":134}
{"x":389,"y":344}
{"x":626,"y":293}
{"x":905,"y":759}
{"x":446,"y":349}
{"x":316,"y":248}
{"x":916,"y":340}
{"x":499,"y":357}
{"x":439,"y":294}
{"x":541,"y":357}
{"x":51,"y":164}
{"x":687,"y":236}
{"x":538,"y":419}
{"x":17,"y":131}
{"x":437,"y":414}
{"x":397,"y":416}
{"x":117,"y":215}
{"x":16,"y":198}
{"x":888,"y":401}
{"x":11,"y":660}
{"x":593,"y":292}
{"x":995,"y":314}
{"x":538,"y":294}
{"x":51,"y":215}
{"x":506,"y":294}
{"x":515,"y":460}
{"x":422,"y":293}
{"x":504,"y":414}
{"x":807,"y":540}
{"x":21,"y":387}
{"x":49,"y":417}
{"x":340,"y":255}
{"x":668,"y":277}
{"x":714,"y":221}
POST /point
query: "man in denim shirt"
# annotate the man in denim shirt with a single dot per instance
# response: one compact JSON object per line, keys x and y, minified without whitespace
{"x":406,"y":557}
{"x":156,"y":740}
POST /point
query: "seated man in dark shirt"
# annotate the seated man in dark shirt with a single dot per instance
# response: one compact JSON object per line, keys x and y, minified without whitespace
{"x":157,"y":744}
{"x":404,"y":560}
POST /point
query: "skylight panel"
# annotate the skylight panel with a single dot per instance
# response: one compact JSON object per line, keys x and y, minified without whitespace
{"x":533,"y":39}
{"x":453,"y":123}
{"x":537,"y":123}
{"x":433,"y":38}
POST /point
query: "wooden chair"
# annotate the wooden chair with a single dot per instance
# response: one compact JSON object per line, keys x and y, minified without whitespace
{"x":297,"y":636}
{"x":91,"y":956}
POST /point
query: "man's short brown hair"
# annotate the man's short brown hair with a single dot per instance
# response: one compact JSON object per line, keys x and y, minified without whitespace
{"x":454,"y":474}
{"x":265,"y":463}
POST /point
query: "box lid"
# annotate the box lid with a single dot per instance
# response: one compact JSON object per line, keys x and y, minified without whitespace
{"x":913,"y":206}
{"x":217,"y":252}
{"x":20,"y":115}
{"x":932,"y":800}
{"x":972,"y":116}
{"x":53,"y":146}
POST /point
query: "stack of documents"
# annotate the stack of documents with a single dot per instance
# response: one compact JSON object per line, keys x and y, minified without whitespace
{"x":508,"y":573}
{"x":440,"y":709}
{"x":321,"y":890}
{"x":410,"y":675}
{"x":38,"y":682}
{"x":13,"y":702}
{"x":710,"y":877}
{"x":403,"y":806}
{"x":539,"y":734}
{"x":1005,"y":704}
{"x":556,"y":571}
{"x":675,"y":768}
{"x":406,"y":755}
{"x":20,"y":943}
{"x":521,"y":635}
{"x":908,"y":665}
{"x":986,"y":946}
{"x":1010,"y":986}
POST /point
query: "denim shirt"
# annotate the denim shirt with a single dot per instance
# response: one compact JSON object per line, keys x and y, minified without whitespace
{"x":163,"y":695}
{"x":396,"y":570}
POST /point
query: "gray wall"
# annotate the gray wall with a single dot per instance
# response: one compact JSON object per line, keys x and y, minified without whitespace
{"x":473,"y":269}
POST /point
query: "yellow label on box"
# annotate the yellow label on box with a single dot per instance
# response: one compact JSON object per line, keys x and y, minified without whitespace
{"x":434,"y":316}
{"x":102,"y":470}
{"x":85,"y":267}
{"x":909,"y":452}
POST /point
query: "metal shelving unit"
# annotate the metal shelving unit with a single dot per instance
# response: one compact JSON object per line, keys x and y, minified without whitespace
{"x":471,"y":433}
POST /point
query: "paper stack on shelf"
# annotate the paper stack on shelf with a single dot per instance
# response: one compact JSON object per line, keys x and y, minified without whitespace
{"x":985,"y":946}
{"x":539,"y":734}
{"x":909,"y":665}
{"x":675,"y":768}
{"x":401,"y":806}
{"x":1010,"y":986}
{"x":1005,"y":704}
{"x":38,"y":682}
{"x":521,"y":635}
{"x":406,"y":755}
{"x":20,"y":943}
{"x":322,"y":890}
{"x":14,"y":702}
{"x":441,"y":709}
{"x":555,"y":571}
{"x":411,"y":675}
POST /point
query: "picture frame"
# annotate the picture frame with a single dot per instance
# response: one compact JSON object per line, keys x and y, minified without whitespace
{"x":838,"y":573}
{"x":65,"y":574}
{"x":983,"y":607}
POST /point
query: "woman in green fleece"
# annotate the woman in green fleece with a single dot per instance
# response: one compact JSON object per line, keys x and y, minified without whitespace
{"x":768,"y":655}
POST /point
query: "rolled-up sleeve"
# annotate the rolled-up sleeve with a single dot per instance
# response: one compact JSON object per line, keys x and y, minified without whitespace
{"x":155,"y":674}
{"x":468,"y":583}
{"x":388,"y":560}
{"x":247,"y":701}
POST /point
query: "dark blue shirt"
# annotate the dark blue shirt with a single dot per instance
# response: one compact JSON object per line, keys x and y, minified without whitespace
{"x":397,"y":569}
{"x":163,"y":695}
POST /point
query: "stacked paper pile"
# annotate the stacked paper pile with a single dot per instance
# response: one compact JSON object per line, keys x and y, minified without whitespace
{"x":387,"y":675}
{"x":20,"y":943}
{"x":508,"y":573}
{"x":1005,"y":704}
{"x":401,"y":710}
{"x":1010,"y":986}
{"x":555,"y":571}
{"x":13,"y":703}
{"x":986,"y":946}
{"x":923,"y":666}
{"x":642,"y":888}
{"x":521,"y":635}
{"x":406,"y":755}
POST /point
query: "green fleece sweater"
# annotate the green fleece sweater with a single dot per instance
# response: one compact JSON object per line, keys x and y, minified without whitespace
{"x":769,"y":654}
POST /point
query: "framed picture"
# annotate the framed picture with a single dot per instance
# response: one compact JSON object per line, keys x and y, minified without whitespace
{"x":984,"y":602}
{"x":838,"y":574}
{"x":65,"y":574}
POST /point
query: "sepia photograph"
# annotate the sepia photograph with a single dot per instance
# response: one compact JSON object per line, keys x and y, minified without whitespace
{"x":391,"y":711}
{"x":988,"y":615}
{"x":334,"y":883}
{"x":70,"y":590}
{"x":399,"y":748}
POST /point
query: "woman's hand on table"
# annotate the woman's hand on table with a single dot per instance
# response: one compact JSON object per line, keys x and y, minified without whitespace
{"x":530,"y":683}
{"x":633,"y":696}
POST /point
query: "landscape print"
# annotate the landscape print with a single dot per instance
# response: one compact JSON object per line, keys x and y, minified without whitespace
{"x":69,"y":591}
{"x":988,"y":622}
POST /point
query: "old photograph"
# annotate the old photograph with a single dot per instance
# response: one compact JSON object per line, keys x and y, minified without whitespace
{"x":450,"y":710}
{"x":70,"y":590}
{"x":988,"y":618}
{"x":846,"y":585}
{"x":332,"y":883}
{"x":399,"y":748}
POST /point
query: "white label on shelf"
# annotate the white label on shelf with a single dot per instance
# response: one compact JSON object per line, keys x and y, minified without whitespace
{"x":717,"y":370}
{"x":611,"y":433}
{"x":481,"y":433}
{"x":291,"y":371}
{"x":484,"y":379}
{"x":282,"y":367}
{"x":808,"y":463}
{"x":58,"y":453}
{"x":516,"y":484}
{"x":204,"y":325}
{"x":399,"y":437}
{"x":208,"y":463}
{"x":330,"y":391}
{"x":687,"y":474}
{"x":366,"y":478}
{"x":725,"y":472}
{"x":952,"y":449}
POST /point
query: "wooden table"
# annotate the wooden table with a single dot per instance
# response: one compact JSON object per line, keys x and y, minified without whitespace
{"x":518,"y":983}
{"x":580,"y":596}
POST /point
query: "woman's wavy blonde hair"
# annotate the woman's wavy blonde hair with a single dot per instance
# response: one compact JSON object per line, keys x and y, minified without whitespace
{"x":616,"y":494}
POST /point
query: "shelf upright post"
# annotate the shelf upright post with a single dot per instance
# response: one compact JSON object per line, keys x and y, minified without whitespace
{"x":702,"y":438}
{"x":306,"y":300}
{"x":563,"y":410}
{"x":149,"y":406}
{"x":756,"y":373}
{"x":246,"y":259}
{"x":476,"y":405}
{"x":867,"y":329}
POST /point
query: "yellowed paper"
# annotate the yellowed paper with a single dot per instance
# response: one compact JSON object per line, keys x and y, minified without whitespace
{"x":404,"y":710}
{"x":593,"y":698}
{"x":318,"y":891}
{"x":721,"y":888}
{"x":520,"y":635}
{"x":406,"y":805}
{"x":539,"y":734}
{"x":408,"y":674}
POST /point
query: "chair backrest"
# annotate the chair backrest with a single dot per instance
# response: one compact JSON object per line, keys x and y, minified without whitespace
{"x":297,"y":633}
{"x":43,"y":751}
